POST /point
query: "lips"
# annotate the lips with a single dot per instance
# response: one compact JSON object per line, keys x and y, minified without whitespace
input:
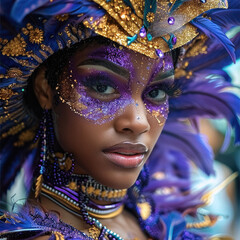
{"x":126,"y":154}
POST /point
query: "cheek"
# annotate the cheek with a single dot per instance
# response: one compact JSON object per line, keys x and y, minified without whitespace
{"x":72,"y":132}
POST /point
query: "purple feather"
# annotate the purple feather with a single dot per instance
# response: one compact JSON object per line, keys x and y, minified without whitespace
{"x":214,"y":31}
{"x":209,"y":98}
{"x":178,"y":136}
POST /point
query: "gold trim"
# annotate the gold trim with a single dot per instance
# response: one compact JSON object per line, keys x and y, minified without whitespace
{"x":74,"y":207}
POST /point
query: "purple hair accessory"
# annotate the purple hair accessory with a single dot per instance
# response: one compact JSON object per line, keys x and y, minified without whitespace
{"x":143,"y":32}
{"x":171,"y":20}
{"x":159,"y":53}
{"x":174,"y":40}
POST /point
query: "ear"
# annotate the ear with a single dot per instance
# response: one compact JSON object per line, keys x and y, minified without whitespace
{"x":43,"y":90}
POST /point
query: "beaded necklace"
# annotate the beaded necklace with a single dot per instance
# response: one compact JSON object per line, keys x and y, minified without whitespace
{"x":78,"y":202}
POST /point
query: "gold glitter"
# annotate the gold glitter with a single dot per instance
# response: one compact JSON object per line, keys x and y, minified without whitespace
{"x":16,"y":47}
{"x":14,"y":130}
{"x":6,"y":93}
{"x":62,"y":17}
{"x":36,"y":35}
{"x":150,"y":17}
{"x":115,"y":26}
{"x":94,"y":232}
{"x":14,"y":73}
{"x":24,"y":137}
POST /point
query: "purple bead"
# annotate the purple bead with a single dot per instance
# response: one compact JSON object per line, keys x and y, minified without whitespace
{"x":143,"y":32}
{"x":171,"y":20}
{"x":174,"y":40}
{"x":159,"y":53}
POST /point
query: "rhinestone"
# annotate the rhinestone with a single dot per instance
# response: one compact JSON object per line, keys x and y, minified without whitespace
{"x":171,"y":20}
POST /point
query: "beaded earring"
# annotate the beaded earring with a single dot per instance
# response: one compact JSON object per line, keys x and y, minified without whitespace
{"x":42,"y":135}
{"x":55,"y":167}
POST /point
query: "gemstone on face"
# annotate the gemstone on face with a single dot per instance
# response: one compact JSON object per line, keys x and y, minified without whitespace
{"x":171,"y":20}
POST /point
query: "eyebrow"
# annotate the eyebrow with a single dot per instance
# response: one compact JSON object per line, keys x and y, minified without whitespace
{"x":163,"y":75}
{"x":107,"y":64}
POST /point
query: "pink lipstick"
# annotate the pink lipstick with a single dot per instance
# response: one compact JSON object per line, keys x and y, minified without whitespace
{"x":126,"y":154}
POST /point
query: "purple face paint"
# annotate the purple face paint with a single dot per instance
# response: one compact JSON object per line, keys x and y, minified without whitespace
{"x":99,"y":93}
{"x":94,"y":94}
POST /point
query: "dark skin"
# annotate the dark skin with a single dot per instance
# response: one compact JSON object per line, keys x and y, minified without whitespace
{"x":86,"y":140}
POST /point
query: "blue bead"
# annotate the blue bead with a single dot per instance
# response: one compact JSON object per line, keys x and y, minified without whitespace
{"x":149,"y":37}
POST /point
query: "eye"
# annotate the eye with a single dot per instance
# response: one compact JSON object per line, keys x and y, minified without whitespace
{"x":156,"y":95}
{"x":103,"y":88}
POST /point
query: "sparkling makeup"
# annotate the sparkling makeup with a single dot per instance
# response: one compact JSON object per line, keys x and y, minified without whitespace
{"x":95,"y":92}
{"x":100,"y":87}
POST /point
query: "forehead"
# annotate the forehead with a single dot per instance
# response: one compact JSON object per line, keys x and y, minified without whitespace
{"x":135,"y":63}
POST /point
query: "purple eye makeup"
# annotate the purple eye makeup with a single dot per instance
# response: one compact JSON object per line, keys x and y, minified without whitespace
{"x":99,"y":89}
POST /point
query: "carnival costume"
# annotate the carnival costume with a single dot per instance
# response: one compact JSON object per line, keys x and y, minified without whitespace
{"x":161,"y":198}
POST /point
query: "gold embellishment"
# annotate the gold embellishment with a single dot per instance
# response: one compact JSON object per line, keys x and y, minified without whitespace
{"x":39,"y":182}
{"x":116,"y":26}
{"x":105,"y":216}
{"x":145,"y":210}
{"x":150,"y":17}
{"x":16,"y":47}
{"x":36,"y":35}
{"x":62,"y":17}
{"x":24,"y":137}
{"x":6,"y":93}
{"x":73,"y":186}
{"x":14,"y":73}
{"x":14,"y":130}
{"x":94,"y":232}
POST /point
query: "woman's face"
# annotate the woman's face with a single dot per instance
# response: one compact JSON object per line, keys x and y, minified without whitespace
{"x":114,"y":103}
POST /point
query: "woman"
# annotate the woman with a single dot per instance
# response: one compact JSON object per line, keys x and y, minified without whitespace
{"x":93,"y":81}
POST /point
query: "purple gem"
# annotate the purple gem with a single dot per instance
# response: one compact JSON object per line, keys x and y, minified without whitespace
{"x":174,"y":40}
{"x":159,"y":53}
{"x":171,"y":20}
{"x":142,"y":32}
{"x":203,"y":1}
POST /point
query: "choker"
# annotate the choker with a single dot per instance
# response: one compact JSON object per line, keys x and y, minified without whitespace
{"x":74,"y":197}
{"x":69,"y":200}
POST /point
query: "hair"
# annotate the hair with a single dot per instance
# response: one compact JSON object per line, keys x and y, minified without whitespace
{"x":55,"y":65}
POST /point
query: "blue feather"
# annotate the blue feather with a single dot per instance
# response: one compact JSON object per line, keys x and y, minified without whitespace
{"x":226,"y":18}
{"x":214,"y":31}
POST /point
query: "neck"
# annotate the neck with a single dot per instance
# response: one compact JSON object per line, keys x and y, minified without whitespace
{"x":83,"y":192}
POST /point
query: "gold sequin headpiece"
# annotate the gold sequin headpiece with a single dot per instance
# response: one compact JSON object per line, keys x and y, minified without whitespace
{"x":150,"y":27}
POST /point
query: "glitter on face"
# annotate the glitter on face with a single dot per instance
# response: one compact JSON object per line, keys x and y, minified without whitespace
{"x":99,"y":94}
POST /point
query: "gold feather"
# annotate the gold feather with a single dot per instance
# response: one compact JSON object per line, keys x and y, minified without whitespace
{"x":38,"y":185}
{"x":206,"y":198}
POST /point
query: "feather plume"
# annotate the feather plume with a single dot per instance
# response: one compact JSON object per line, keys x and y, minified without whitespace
{"x":214,"y":31}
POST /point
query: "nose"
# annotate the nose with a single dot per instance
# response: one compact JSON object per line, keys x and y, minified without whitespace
{"x":133,"y":120}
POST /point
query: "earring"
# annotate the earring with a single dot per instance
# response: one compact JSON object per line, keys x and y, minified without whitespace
{"x":42,"y":135}
{"x":54,"y":168}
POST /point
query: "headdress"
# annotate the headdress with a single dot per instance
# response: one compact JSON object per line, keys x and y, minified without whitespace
{"x":32,"y":31}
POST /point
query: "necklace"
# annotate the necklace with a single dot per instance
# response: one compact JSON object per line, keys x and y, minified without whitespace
{"x":73,"y":199}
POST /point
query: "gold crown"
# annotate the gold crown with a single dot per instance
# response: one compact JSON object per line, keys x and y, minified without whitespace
{"x":166,"y":29}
